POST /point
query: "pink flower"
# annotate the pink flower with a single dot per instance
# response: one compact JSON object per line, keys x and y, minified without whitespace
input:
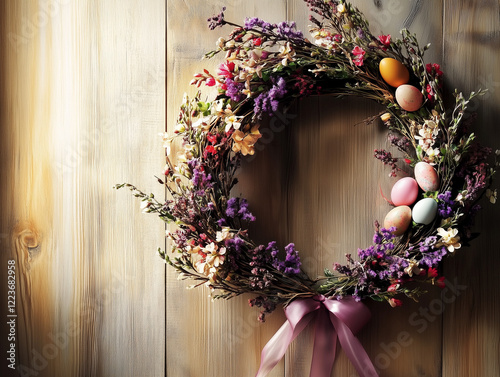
{"x":434,"y":69}
{"x":359,"y":54}
{"x":385,"y":40}
{"x":430,"y":92}
{"x":441,"y":282}
{"x":226,"y":70}
{"x":394,"y":302}
{"x":210,"y":81}
{"x":393,"y":287}
{"x":432,"y":272}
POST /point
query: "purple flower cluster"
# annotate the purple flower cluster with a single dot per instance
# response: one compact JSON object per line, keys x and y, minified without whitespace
{"x":430,"y":254}
{"x":321,"y":8}
{"x":445,"y":204}
{"x":402,"y":143}
{"x":476,"y":181}
{"x":475,"y":170}
{"x":291,"y":264}
{"x":234,"y":90}
{"x":235,"y":248}
{"x":269,"y":101}
{"x":257,"y":23}
{"x":184,"y":208}
{"x":382,"y":244}
{"x":216,"y":21}
{"x":387,"y":159}
{"x":265,"y":303}
{"x":200,"y":179}
{"x":289,"y":30}
{"x":238,"y":208}
{"x":261,"y":277}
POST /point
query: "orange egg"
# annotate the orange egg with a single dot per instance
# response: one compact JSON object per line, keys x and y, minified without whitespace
{"x":393,"y":72}
{"x":400,"y":218}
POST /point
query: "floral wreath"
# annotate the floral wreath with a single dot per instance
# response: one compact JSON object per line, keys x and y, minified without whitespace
{"x":269,"y":66}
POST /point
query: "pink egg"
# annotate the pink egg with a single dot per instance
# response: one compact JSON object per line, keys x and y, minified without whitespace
{"x":409,"y":97}
{"x":426,"y":176}
{"x":404,"y":192}
{"x":399,"y":217}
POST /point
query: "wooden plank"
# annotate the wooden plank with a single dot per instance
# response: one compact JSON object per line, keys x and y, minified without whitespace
{"x":471,"y":326}
{"x":84,"y":98}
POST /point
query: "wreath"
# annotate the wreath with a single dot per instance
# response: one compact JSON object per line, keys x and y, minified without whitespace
{"x":266,"y":68}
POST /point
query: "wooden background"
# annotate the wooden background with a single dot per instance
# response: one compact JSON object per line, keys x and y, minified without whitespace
{"x":86,"y":86}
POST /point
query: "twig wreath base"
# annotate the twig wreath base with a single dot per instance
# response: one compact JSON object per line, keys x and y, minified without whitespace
{"x":266,"y":67}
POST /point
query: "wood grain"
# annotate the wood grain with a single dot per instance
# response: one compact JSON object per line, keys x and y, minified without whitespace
{"x":82,"y":101}
{"x":471,"y":321}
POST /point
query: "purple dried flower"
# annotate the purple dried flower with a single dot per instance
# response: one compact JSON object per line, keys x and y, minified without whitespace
{"x":268,"y":101}
{"x":288,"y":30}
{"x":387,"y":159}
{"x":445,"y":204}
{"x":254,"y":23}
{"x":216,"y":21}
{"x":234,"y":90}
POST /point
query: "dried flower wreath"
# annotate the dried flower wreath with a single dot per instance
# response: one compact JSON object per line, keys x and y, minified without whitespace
{"x":267,"y":67}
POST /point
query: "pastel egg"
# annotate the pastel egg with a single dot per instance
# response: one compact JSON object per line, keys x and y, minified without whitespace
{"x":404,"y":192}
{"x":409,"y":98}
{"x":393,"y":72}
{"x":399,"y":217}
{"x":426,"y":176}
{"x":424,"y":211}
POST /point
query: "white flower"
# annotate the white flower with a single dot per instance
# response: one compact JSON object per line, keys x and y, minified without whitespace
{"x":220,"y":43}
{"x":224,"y":234}
{"x":144,"y":206}
{"x":462,"y":195}
{"x":167,"y":142}
{"x":215,"y":256}
{"x":202,"y":122}
{"x":449,"y":239}
{"x":412,"y":269}
{"x":232,"y":121}
{"x":491,"y":195}
{"x":179,"y":127}
{"x":432,"y":153}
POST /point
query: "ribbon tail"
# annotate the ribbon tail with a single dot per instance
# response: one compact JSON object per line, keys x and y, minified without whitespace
{"x":353,"y":349}
{"x":275,"y":349}
{"x":325,"y":342}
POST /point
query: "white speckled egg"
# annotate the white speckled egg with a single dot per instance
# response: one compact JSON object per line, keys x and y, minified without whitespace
{"x":426,"y":176}
{"x":399,"y":217}
{"x":409,"y":97}
{"x":404,"y":192}
{"x":425,"y":211}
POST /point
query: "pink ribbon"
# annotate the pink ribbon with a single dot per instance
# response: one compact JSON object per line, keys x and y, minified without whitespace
{"x":334,"y":318}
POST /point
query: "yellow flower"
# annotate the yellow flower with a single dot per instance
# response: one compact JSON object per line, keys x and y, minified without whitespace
{"x":449,"y":239}
{"x":244,"y":142}
{"x":386,"y":117}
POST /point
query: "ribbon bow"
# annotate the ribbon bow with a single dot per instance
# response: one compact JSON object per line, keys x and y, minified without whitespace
{"x":334,"y":318}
